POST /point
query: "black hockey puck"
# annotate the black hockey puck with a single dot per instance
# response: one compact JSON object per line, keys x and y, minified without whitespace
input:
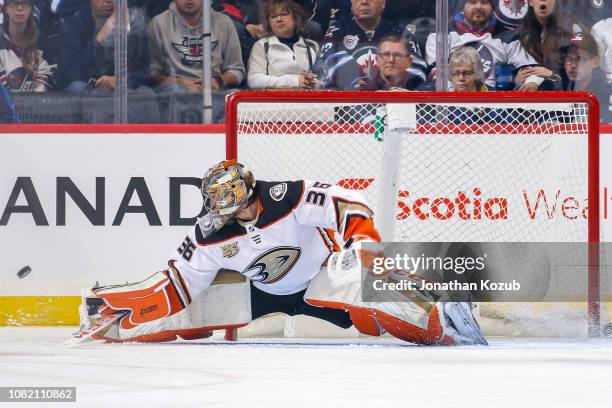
{"x":23,"y":272}
{"x":607,"y":330}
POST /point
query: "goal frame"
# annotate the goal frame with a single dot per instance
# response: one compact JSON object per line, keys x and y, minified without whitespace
{"x":594,"y":315}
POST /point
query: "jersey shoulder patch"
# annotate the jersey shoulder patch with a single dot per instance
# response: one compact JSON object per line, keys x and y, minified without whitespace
{"x":278,"y":199}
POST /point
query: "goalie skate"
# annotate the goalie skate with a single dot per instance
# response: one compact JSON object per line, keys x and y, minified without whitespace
{"x":458,"y":323}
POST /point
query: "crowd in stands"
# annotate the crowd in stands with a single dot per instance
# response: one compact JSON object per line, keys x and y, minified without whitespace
{"x":68,"y":47}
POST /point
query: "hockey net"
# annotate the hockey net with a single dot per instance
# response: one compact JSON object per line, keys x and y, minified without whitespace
{"x":417,"y":157}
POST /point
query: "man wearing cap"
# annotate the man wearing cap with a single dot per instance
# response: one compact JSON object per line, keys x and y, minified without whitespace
{"x":582,"y":72}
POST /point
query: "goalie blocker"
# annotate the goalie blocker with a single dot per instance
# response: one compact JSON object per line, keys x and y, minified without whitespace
{"x":277,"y":234}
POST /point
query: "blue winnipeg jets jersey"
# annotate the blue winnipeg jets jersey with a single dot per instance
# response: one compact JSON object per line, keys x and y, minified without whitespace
{"x":284,"y":247}
{"x":348,"y":53}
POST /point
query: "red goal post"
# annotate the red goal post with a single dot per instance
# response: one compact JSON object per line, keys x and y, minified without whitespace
{"x":339,"y":136}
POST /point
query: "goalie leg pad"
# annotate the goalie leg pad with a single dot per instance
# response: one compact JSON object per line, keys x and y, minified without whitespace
{"x":225,"y":304}
{"x":154,"y":298}
{"x":373,"y":322}
{"x":418,"y":318}
{"x":448,"y":323}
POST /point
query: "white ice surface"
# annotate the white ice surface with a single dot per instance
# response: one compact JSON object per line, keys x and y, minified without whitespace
{"x":320,"y":373}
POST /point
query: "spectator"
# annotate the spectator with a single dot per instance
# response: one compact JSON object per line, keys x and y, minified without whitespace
{"x":22,"y":66}
{"x":466,"y":71}
{"x":474,"y":27}
{"x":348,"y":54}
{"x":393,"y":61}
{"x":542,"y":34}
{"x":508,"y":13}
{"x":283,"y":59}
{"x":88,"y":61}
{"x":400,"y":10}
{"x":67,"y":7}
{"x":48,"y":29}
{"x":176,"y":49}
{"x":582,"y":71}
{"x":595,"y":17}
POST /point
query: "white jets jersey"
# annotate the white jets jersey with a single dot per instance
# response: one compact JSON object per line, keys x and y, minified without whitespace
{"x":285,"y":246}
{"x":492,"y":50}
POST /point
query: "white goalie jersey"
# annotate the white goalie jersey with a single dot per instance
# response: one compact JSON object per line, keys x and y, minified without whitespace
{"x":282,"y":249}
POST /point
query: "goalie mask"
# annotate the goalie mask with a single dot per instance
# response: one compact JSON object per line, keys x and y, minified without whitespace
{"x":227,"y":188}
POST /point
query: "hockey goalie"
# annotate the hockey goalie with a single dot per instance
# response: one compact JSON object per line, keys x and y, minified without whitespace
{"x":264,"y":247}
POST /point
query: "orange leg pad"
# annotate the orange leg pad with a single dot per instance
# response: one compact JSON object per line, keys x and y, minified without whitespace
{"x":413,"y":334}
{"x":363,"y":319}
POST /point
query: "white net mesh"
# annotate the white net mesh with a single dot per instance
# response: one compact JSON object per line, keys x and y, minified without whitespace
{"x":489,"y":171}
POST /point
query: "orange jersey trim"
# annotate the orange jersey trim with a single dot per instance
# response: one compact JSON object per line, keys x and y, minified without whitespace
{"x":358,"y":225}
{"x":327,"y":235}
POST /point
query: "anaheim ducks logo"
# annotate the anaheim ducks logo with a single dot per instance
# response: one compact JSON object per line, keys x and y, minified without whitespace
{"x":273,"y":265}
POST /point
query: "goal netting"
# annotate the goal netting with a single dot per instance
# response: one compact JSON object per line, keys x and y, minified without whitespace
{"x":489,"y":168}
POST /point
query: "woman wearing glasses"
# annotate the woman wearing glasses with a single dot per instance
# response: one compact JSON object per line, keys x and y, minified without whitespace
{"x":284,"y":58}
{"x":466,"y":71}
{"x":22,"y":67}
